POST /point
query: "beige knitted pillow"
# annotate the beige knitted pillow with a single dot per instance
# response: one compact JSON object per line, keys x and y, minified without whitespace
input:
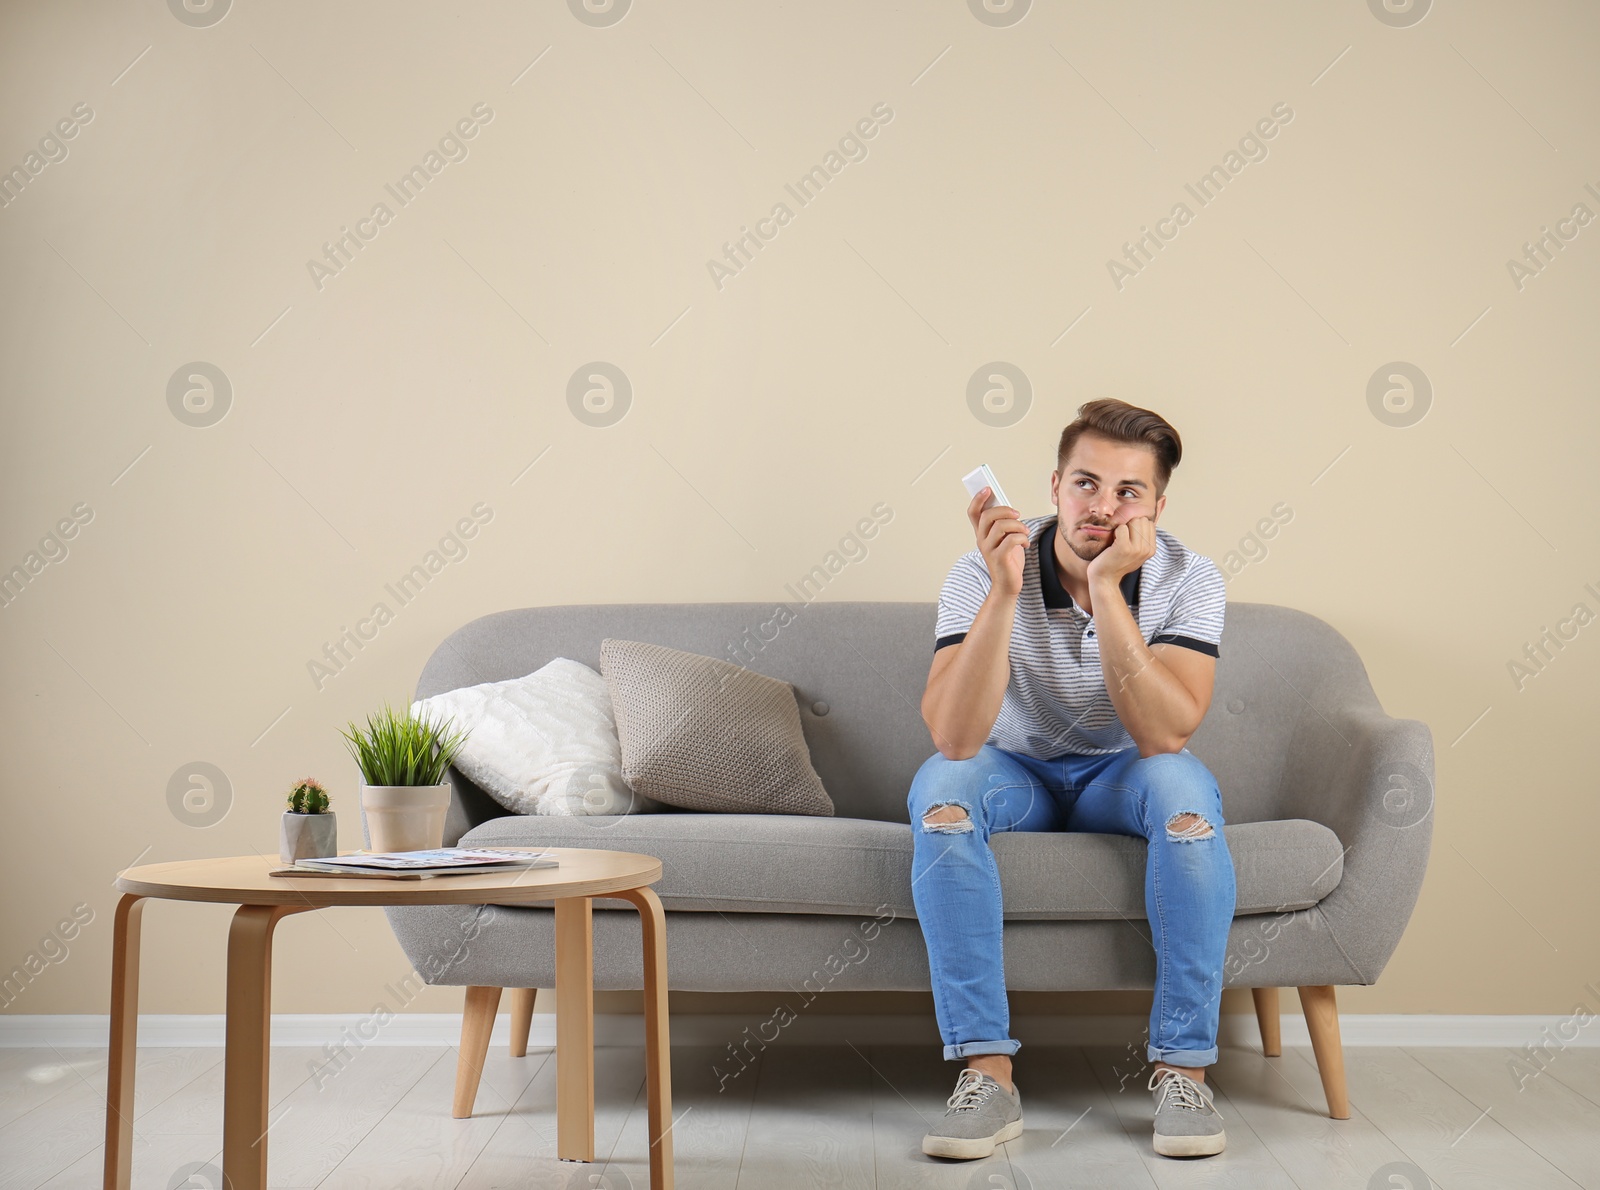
{"x":702,"y":734}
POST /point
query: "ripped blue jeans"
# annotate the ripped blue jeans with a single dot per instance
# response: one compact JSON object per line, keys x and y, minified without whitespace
{"x":1171,"y":800}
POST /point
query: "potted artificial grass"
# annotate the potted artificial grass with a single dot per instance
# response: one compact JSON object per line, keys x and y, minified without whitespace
{"x":404,"y":792}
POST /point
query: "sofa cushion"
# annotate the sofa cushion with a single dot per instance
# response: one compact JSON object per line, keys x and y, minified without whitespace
{"x":702,"y":734}
{"x":771,"y":863}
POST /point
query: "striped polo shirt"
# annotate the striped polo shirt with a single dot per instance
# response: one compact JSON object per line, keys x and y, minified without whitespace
{"x":1056,"y":701}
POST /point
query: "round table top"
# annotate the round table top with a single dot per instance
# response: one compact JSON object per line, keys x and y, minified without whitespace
{"x":245,"y":880}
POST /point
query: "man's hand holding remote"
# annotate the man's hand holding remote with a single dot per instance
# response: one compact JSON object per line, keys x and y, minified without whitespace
{"x":1003,"y":540}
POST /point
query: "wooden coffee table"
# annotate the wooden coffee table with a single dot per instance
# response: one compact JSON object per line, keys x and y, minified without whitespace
{"x":263,"y":900}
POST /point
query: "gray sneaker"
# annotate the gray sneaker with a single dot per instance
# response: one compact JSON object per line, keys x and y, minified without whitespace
{"x":979,"y":1115}
{"x":1187,"y":1122}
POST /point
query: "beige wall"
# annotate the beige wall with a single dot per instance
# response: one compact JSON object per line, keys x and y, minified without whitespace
{"x":368,"y":414}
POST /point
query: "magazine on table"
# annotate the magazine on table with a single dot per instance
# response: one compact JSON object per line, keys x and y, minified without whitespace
{"x":439,"y":861}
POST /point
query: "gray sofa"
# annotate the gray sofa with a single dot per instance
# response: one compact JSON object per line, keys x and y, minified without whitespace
{"x":1328,"y":803}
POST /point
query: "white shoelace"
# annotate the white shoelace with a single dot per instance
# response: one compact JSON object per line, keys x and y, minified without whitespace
{"x":971,"y":1091}
{"x":1181,"y":1091}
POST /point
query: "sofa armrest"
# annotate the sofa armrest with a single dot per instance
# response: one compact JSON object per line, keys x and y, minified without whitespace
{"x":469,"y":807}
{"x":1370,"y":779}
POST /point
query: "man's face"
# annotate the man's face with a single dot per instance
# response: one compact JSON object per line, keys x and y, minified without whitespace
{"x":1103,"y":484}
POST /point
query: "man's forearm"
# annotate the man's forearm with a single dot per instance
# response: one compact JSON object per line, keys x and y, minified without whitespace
{"x":1156,"y":709}
{"x":961,"y":709}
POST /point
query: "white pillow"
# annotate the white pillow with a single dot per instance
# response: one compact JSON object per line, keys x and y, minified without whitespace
{"x":541,"y":744}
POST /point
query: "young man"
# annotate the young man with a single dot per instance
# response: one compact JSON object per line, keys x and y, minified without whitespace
{"x":1073,"y":659}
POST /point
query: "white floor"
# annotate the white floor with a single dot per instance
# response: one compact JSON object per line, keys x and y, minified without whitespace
{"x":818,"y":1116}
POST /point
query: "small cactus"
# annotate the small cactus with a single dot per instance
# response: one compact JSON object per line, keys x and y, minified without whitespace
{"x":308,"y":797}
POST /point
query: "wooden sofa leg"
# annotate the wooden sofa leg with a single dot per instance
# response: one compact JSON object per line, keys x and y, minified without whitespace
{"x":521,"y":1019}
{"x":1267,"y":1017}
{"x":1322,"y":1019}
{"x":477,"y":1022}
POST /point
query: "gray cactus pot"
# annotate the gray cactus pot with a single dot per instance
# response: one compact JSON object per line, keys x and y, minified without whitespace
{"x":307,"y":836}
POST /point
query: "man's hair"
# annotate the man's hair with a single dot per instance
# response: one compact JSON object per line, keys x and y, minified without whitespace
{"x":1122,"y":422}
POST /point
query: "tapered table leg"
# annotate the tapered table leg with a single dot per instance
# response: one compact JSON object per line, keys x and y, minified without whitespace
{"x":124,"y":1041}
{"x":575,"y":1029}
{"x":657,"y":1044}
{"x":248,"y":1036}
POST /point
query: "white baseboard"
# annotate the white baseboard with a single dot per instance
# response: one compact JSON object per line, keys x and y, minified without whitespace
{"x":443,"y":1028}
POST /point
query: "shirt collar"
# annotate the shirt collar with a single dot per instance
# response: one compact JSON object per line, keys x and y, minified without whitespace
{"x":1050,"y":588}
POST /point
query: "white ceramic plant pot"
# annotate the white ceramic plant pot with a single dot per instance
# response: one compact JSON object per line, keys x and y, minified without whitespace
{"x":307,"y":836}
{"x":404,"y":817}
